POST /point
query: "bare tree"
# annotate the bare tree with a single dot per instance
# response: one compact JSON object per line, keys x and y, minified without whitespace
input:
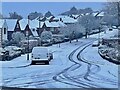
{"x":14,"y":15}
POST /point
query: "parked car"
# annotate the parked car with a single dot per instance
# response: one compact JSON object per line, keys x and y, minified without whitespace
{"x":32,"y":43}
{"x":95,"y":44}
{"x":2,"y":54}
{"x":57,"y":39}
{"x":14,"y":51}
{"x":114,"y":27}
{"x":41,"y":55}
{"x":66,"y":39}
{"x":110,"y":29}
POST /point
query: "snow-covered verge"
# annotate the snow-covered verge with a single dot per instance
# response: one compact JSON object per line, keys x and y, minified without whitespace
{"x":109,"y":53}
{"x":110,"y":48}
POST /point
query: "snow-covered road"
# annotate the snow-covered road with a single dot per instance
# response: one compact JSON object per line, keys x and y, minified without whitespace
{"x":75,"y":65}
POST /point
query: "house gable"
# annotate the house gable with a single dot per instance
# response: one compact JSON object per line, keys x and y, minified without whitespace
{"x":17,"y":27}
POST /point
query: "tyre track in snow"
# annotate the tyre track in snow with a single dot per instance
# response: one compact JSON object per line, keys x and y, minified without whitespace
{"x":29,"y":83}
{"x":105,"y":79}
{"x":69,"y":78}
{"x":65,"y":73}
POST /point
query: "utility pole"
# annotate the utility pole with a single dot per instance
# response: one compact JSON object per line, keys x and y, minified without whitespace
{"x":39,"y":24}
{"x":27,"y":34}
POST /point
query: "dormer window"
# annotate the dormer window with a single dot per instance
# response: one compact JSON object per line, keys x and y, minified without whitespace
{"x":33,"y":29}
{"x":17,"y":26}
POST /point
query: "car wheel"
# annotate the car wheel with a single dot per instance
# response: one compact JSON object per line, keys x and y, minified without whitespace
{"x":32,"y":63}
{"x":47,"y":62}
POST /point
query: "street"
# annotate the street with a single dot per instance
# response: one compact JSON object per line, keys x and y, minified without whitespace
{"x":75,"y":65}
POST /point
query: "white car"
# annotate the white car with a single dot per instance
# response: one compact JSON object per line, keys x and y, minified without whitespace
{"x":95,"y":44}
{"x":2,"y":53}
{"x":14,"y":51}
{"x":41,"y":55}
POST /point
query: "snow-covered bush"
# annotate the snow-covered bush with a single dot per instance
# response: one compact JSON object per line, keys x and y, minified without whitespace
{"x":46,"y":36}
{"x":18,"y":36}
{"x":5,"y":43}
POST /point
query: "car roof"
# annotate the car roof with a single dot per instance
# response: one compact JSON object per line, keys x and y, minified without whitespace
{"x":40,"y":49}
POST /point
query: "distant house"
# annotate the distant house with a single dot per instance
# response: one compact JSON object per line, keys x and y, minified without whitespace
{"x":75,"y":16}
{"x":100,"y":15}
{"x":65,"y":19}
{"x":3,"y":31}
{"x":52,"y":26}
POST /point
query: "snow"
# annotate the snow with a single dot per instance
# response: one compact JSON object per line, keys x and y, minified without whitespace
{"x":34,"y":24}
{"x":39,"y":53}
{"x":11,"y":24}
{"x":66,"y":19}
{"x":23,"y":23}
{"x":107,"y":35}
{"x":1,"y":23}
{"x":65,"y":70}
{"x":34,"y":32}
{"x":53,"y":24}
{"x":95,"y":13}
{"x":101,"y":14}
{"x":108,"y":70}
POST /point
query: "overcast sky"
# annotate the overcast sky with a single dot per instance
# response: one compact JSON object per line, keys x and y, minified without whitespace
{"x":24,"y":8}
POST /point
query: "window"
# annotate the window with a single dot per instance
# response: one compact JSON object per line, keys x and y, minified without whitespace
{"x":17,"y":26}
{"x":4,"y":30}
{"x":33,"y":29}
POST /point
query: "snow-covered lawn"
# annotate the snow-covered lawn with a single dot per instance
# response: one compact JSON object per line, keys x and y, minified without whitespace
{"x":108,"y":34}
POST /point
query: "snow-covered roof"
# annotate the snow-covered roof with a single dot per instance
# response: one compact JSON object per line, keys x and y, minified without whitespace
{"x":34,"y":24}
{"x":87,"y":14}
{"x":95,"y":13}
{"x":69,"y":20}
{"x":34,"y":32}
{"x":66,"y":19}
{"x":101,"y":14}
{"x":53,"y":24}
{"x":76,"y":16}
{"x":23,"y":23}
{"x":61,"y":24}
{"x":48,"y":18}
{"x":11,"y":24}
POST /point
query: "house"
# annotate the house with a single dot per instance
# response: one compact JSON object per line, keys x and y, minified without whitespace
{"x":30,"y":26}
{"x":52,"y":26}
{"x":65,"y":19}
{"x":13,"y":26}
{"x":3,"y":31}
{"x":100,"y":15}
{"x":75,"y":16}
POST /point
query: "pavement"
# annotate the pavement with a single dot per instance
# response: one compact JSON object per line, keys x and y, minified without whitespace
{"x":18,"y":62}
